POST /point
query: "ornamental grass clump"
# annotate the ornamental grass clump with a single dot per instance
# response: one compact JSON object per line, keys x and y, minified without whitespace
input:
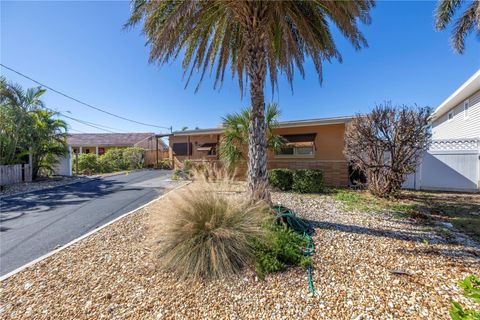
{"x":206,"y":234}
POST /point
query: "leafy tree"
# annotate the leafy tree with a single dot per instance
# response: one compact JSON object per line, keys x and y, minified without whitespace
{"x":27,"y":126}
{"x":16,"y":122}
{"x":235,"y":137}
{"x":49,"y":141}
{"x":466,"y":24}
{"x":387,"y":144}
{"x":254,"y":39}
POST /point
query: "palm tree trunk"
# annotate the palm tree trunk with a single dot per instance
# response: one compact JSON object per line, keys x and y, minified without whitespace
{"x":257,"y":140}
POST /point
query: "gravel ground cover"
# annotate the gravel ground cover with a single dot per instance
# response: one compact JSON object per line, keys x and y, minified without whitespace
{"x":38,"y":185}
{"x":366,"y":266}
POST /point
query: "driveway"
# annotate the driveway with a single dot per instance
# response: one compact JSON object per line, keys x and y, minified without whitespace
{"x":35,"y":223}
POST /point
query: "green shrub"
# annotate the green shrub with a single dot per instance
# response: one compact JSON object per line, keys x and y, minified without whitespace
{"x":106,"y":165}
{"x":113,"y":160}
{"x":279,"y":248}
{"x":133,"y":158}
{"x":88,"y":163}
{"x":471,"y":290}
{"x":164,"y":164}
{"x":205,"y":234}
{"x":179,"y":174}
{"x":281,"y":179}
{"x":308,"y":181}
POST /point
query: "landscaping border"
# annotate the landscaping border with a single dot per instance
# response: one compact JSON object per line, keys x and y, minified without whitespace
{"x":86,"y":235}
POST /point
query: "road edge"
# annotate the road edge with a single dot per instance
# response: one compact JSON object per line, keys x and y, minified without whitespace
{"x":86,"y":235}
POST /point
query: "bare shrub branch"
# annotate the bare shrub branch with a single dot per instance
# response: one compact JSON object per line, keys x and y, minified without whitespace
{"x":387,"y":144}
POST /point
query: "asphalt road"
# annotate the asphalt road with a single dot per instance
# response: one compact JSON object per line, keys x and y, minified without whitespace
{"x":35,"y":223}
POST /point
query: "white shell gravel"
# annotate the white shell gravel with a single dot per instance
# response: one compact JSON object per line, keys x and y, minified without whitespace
{"x":366,"y":266}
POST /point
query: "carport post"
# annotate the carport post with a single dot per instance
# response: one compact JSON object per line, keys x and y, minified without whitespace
{"x":157,"y":150}
{"x":76,"y":163}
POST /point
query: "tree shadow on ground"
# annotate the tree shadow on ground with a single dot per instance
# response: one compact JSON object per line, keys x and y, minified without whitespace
{"x":43,"y":201}
{"x":463,"y":250}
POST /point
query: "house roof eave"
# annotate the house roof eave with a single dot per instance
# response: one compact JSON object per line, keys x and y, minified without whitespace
{"x":468,"y":88}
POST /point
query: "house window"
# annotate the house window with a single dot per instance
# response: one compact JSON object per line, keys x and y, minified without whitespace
{"x":450,"y":116}
{"x":466,"y":105}
{"x":210,"y":148}
{"x":182,"y":149}
{"x":296,"y":151}
{"x":298,"y":145}
{"x":87,"y":150}
{"x":101,"y":151}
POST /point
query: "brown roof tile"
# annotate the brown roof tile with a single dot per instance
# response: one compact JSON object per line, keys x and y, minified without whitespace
{"x":111,"y":139}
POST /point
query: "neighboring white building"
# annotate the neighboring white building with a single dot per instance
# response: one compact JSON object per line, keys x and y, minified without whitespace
{"x":458,"y":117}
{"x":453,"y":160}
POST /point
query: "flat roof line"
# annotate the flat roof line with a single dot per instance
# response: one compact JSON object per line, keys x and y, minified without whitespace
{"x":281,"y":124}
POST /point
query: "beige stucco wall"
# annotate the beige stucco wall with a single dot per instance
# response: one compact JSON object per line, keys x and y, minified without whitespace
{"x":329,"y":145}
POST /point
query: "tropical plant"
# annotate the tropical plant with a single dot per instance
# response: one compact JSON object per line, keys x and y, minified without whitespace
{"x":387,"y":144}
{"x":471,"y":290}
{"x":466,"y":24}
{"x":49,"y":137}
{"x":254,"y":39}
{"x":28,"y":127}
{"x":235,"y":138}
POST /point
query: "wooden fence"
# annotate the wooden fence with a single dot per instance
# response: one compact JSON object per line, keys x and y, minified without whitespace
{"x":16,"y":173}
{"x":150,"y":158}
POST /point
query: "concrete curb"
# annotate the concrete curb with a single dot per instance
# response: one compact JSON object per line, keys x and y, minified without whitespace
{"x":86,"y":235}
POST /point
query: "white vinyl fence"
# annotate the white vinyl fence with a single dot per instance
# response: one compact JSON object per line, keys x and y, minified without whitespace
{"x":64,"y":165}
{"x":449,"y":165}
{"x":16,"y":173}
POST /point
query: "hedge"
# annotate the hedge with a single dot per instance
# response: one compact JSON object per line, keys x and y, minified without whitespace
{"x":308,"y":181}
{"x":281,"y":179}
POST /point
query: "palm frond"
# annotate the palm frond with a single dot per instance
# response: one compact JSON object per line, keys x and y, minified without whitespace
{"x":466,"y":24}
{"x":444,"y":12}
{"x":235,"y":137}
{"x":213,"y":35}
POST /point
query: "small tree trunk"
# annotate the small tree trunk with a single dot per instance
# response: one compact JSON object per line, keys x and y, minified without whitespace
{"x":257,"y":140}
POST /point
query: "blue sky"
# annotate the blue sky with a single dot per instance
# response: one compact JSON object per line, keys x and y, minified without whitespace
{"x":81,"y":49}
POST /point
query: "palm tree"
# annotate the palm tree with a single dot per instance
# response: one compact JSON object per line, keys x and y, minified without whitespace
{"x":49,"y":141}
{"x":254,"y":39}
{"x":235,"y":137}
{"x":467,"y":23}
{"x":27,"y":126}
{"x":17,"y":105}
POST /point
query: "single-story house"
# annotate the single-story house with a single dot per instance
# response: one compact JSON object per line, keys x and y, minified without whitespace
{"x":314,"y":143}
{"x":99,"y":143}
{"x":453,"y":161}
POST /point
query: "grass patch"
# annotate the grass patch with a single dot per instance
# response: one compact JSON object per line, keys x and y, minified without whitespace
{"x":461,"y":210}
